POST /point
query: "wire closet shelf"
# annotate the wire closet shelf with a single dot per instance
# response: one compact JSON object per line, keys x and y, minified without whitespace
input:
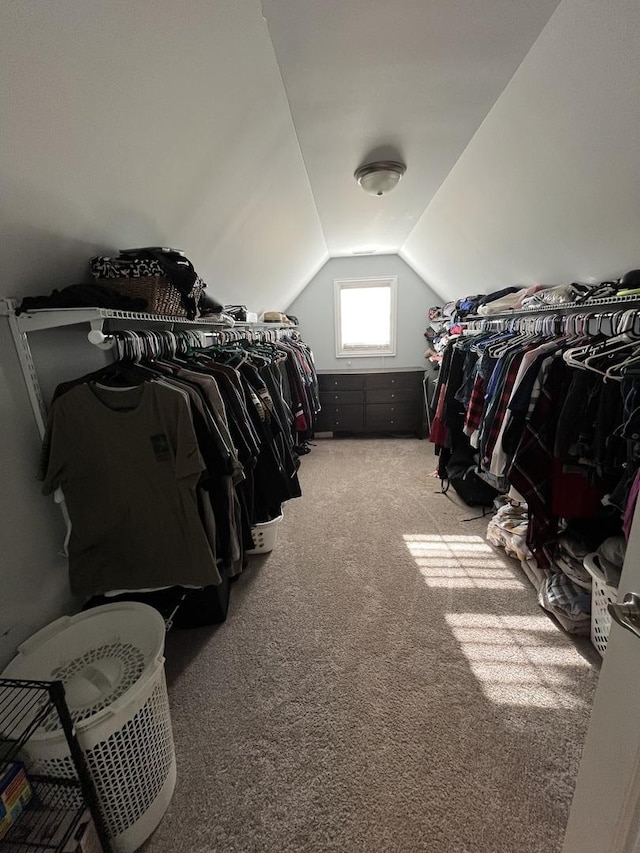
{"x":584,"y":318}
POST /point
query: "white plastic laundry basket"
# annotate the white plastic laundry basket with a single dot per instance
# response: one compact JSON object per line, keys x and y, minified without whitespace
{"x":111,"y":662}
{"x":602,"y":594}
{"x":265,"y":536}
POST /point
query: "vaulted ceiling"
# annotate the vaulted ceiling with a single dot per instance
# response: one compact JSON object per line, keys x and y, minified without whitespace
{"x":232,"y":128}
{"x":409,"y":80}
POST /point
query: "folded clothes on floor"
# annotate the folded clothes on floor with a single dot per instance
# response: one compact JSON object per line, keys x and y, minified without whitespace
{"x":514,"y":546}
{"x":508,"y":529}
{"x":609,"y":559}
{"x":532,"y":570}
{"x":574,"y":570}
{"x":567,"y":557}
{"x":570,"y":604}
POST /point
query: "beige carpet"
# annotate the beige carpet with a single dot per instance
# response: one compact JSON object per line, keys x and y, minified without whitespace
{"x":385,"y":682}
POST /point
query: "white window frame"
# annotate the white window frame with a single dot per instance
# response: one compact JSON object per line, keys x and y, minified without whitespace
{"x":340,"y":284}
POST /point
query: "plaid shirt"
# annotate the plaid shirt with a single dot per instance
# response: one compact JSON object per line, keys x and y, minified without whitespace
{"x":476,"y":407}
{"x":499,"y":407}
{"x":531,"y":471}
{"x":560,"y":595}
{"x":482,"y":388}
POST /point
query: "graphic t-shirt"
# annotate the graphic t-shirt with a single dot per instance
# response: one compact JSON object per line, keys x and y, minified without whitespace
{"x":128,"y":464}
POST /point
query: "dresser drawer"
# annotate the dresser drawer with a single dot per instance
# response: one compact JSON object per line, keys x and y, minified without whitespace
{"x":340,"y":398}
{"x":336,"y":418}
{"x":385,"y":416}
{"x":339,"y":381}
{"x":397,"y":395}
{"x":407,"y":379}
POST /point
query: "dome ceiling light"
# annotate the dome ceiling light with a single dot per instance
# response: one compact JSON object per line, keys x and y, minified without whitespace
{"x":381,"y":177}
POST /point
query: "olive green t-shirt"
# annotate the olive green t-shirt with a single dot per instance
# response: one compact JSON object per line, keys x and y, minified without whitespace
{"x":128,"y":463}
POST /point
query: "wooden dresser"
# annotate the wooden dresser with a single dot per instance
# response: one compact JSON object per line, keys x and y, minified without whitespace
{"x":372,"y":402}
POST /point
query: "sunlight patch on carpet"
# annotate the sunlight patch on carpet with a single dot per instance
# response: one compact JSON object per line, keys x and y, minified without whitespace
{"x":517,"y":660}
{"x":460,"y":562}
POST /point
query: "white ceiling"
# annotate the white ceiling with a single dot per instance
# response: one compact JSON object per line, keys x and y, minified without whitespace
{"x":409,"y":79}
{"x":232,"y":128}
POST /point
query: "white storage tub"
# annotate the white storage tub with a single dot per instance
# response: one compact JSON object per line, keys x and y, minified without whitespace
{"x":265,"y":536}
{"x":602,"y":594}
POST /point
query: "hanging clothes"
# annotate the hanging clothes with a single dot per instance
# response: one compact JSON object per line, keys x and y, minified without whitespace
{"x":169,"y":457}
{"x":129,"y":464}
{"x":548,"y":431}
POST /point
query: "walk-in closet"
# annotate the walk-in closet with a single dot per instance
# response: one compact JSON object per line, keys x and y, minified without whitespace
{"x":319,"y":394}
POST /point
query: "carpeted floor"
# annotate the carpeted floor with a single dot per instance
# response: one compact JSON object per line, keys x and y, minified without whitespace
{"x":385,"y":682}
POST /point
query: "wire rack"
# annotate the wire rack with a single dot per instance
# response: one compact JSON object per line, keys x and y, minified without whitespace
{"x":50,"y":818}
{"x":57,"y":806}
{"x":24,"y":707}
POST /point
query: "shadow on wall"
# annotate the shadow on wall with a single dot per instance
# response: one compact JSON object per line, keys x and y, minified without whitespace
{"x":34,"y":575}
{"x":42,"y":249}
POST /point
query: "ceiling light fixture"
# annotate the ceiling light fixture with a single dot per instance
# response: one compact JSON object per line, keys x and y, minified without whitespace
{"x":381,"y":177}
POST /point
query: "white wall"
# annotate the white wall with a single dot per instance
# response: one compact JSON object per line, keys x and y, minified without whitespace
{"x":129,"y":124}
{"x":548,"y":189}
{"x":314,"y":307}
{"x":33,"y":577}
{"x":151,"y":123}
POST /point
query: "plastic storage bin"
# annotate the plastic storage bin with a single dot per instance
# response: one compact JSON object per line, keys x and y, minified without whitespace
{"x":602,"y":594}
{"x":265,"y":536}
{"x":111,"y":662}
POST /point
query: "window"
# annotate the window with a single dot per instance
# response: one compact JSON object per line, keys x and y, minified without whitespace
{"x":365,"y":316}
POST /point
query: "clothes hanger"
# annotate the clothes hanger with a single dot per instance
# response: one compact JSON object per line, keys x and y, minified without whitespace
{"x":611,"y":346}
{"x":480,"y":344}
{"x":619,"y":370}
{"x":578,"y":355}
{"x":586,"y":358}
{"x":499,"y":349}
{"x":124,"y":372}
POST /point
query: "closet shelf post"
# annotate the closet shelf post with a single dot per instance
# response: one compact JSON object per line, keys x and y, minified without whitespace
{"x":27,"y":365}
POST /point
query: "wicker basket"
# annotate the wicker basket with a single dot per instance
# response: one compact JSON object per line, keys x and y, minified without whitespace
{"x":160,"y":293}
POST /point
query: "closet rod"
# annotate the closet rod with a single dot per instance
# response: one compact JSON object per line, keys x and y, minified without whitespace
{"x":51,"y":318}
{"x":22,"y":324}
{"x":223,"y":335}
